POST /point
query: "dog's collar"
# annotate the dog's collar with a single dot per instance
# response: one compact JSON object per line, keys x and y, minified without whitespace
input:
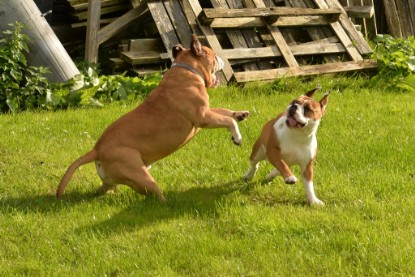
{"x":191,"y":69}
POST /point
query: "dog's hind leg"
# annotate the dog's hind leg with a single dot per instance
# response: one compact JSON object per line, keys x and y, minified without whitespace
{"x":257,"y":155}
{"x":142,"y":182}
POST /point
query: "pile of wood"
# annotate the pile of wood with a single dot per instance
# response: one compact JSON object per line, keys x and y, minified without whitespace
{"x":257,"y":39}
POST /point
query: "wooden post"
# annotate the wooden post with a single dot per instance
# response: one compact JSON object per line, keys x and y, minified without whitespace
{"x":45,"y":48}
{"x":92,"y":29}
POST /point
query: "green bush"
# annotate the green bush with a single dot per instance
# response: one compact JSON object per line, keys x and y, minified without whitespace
{"x":396,"y":60}
{"x":21,"y":86}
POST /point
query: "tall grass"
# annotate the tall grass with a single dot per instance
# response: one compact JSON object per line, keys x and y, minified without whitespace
{"x":214,"y":224}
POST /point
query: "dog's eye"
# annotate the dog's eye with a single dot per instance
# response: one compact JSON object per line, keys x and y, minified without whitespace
{"x":307,"y":109}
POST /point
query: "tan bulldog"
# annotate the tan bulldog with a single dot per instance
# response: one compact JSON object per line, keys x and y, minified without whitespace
{"x":171,"y":115}
{"x":290,"y":139}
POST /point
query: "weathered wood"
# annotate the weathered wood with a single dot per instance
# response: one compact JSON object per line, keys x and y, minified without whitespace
{"x":144,"y":44}
{"x":405,"y":18}
{"x":121,"y":22}
{"x":209,"y":14}
{"x":316,"y":33}
{"x":279,"y":39}
{"x":164,"y":25}
{"x":358,"y":40}
{"x":360,"y":11}
{"x":340,"y":32}
{"x":212,"y":39}
{"x":269,"y":52}
{"x":45,"y":49}
{"x":93,"y":25}
{"x":236,"y":37}
{"x":273,"y":74}
{"x":179,"y":22}
{"x":144,"y":57}
{"x":254,"y":22}
{"x":106,"y":10}
{"x":104,"y":3}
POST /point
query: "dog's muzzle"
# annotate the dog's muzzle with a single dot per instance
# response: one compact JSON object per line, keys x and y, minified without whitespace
{"x":295,"y":117}
{"x":219,"y":63}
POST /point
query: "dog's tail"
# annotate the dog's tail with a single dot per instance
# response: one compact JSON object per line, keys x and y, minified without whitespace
{"x":87,"y":158}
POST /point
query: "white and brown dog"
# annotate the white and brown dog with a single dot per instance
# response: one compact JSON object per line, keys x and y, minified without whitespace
{"x":171,"y":115}
{"x":290,"y":139}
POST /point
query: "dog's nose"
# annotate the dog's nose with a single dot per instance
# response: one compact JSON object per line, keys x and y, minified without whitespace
{"x":292,"y":110}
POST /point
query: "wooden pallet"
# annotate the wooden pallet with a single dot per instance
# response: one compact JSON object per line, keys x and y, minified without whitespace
{"x":263,"y":40}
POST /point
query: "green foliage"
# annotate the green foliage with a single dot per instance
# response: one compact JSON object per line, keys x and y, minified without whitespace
{"x":21,"y":86}
{"x":24,"y":87}
{"x":90,"y":89}
{"x":396,"y":59}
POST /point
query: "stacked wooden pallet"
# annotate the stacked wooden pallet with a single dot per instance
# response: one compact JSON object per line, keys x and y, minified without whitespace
{"x":258,"y":40}
{"x":110,"y":10}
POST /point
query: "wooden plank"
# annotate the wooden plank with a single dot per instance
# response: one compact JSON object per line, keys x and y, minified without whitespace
{"x":106,"y":10}
{"x":212,"y":40}
{"x":252,"y":37}
{"x":268,"y":52}
{"x":91,"y":43}
{"x":104,"y":3}
{"x":360,"y":11}
{"x":411,"y":4}
{"x":254,"y":22}
{"x":358,"y":40}
{"x":209,"y":14}
{"x":191,"y":18}
{"x":279,"y":39}
{"x":405,"y":18}
{"x":344,"y":38}
{"x":392,"y":17}
{"x":315,"y":33}
{"x":273,"y":74}
{"x":370,"y":24}
{"x":236,"y":37}
{"x":144,"y":44}
{"x":164,"y":25}
{"x":144,"y":57}
{"x":179,"y":22}
{"x":111,"y":29}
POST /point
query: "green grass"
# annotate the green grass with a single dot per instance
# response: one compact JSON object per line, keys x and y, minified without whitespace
{"x":214,"y":224}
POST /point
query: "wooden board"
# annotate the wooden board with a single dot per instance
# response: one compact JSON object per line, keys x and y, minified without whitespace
{"x":273,"y":74}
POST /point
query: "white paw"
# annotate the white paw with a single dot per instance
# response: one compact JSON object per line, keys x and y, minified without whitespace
{"x":237,"y":140}
{"x":291,"y":180}
{"x":316,"y":202}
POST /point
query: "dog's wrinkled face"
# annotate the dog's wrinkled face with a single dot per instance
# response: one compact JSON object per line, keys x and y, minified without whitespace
{"x":304,"y":110}
{"x":201,"y":58}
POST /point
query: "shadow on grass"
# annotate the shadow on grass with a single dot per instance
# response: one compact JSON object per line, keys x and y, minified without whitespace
{"x":139,"y":212}
{"x":197,"y":202}
{"x":46,"y":203}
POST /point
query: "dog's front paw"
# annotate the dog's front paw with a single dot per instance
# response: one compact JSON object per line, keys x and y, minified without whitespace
{"x":237,"y":141}
{"x":239,"y":116}
{"x":316,"y":202}
{"x":291,"y":180}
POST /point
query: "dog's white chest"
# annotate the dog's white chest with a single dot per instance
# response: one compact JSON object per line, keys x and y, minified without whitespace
{"x":297,"y":146}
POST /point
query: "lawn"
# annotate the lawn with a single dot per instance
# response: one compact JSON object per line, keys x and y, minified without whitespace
{"x":215,"y":224}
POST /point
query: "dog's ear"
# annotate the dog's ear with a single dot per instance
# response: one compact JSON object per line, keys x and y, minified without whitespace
{"x":311,"y":92}
{"x":324,"y":101}
{"x":196,"y":46}
{"x":177,"y":49}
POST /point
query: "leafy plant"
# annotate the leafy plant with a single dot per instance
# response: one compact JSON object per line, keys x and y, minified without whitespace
{"x":396,"y":59}
{"x":21,"y":86}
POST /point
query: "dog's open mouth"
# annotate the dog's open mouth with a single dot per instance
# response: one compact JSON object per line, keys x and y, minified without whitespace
{"x":293,"y":123}
{"x":215,"y":81}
